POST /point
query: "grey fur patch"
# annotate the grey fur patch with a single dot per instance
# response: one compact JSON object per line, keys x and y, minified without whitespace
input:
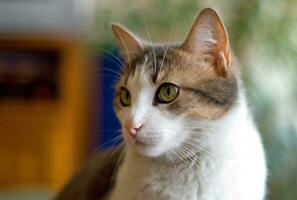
{"x":221,"y":92}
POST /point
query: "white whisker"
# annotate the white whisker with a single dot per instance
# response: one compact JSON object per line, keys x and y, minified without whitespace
{"x":193,"y":157}
{"x":115,"y":57}
{"x":169,"y":155}
{"x":113,"y":71}
{"x":152,"y":47}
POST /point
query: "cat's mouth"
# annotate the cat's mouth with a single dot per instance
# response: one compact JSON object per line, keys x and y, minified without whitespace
{"x":142,"y":143}
{"x":145,"y":140}
{"x":146,"y":145}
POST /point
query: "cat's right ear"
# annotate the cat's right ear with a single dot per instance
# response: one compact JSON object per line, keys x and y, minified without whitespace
{"x":129,"y":44}
{"x":209,"y":38}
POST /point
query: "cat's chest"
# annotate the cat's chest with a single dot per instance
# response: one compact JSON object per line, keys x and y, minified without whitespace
{"x":155,"y":182}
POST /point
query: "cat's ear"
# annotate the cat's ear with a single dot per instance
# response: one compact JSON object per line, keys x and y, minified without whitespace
{"x":129,"y":44}
{"x":209,"y":38}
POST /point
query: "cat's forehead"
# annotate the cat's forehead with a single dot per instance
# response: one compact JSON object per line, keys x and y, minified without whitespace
{"x":153,"y":62}
{"x":167,"y":64}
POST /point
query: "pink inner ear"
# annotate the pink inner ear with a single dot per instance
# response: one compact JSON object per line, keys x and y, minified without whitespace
{"x":221,"y":64}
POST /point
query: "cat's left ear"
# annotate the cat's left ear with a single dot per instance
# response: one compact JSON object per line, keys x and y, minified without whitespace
{"x":129,"y":44}
{"x":209,"y":38}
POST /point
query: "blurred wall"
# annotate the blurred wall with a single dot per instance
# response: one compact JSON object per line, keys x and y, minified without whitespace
{"x":44,"y":92}
{"x":46,"y":16}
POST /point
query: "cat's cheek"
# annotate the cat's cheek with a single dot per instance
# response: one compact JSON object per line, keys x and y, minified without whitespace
{"x":121,"y":115}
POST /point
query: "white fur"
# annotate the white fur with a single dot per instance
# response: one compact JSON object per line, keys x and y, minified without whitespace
{"x":231,"y":163}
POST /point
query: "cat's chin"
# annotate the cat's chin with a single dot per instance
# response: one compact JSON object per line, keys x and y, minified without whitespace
{"x":149,"y":150}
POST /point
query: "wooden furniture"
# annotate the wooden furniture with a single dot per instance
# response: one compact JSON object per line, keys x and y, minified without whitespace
{"x":43,"y":138}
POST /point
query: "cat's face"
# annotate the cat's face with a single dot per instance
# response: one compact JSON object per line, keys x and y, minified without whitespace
{"x":166,"y":93}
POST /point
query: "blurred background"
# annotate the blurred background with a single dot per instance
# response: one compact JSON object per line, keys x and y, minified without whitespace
{"x":58,"y":63}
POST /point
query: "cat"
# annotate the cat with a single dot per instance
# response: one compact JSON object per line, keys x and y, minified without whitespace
{"x":187,"y":128}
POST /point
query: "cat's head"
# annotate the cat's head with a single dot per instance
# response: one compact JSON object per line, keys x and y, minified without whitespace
{"x":166,"y":93}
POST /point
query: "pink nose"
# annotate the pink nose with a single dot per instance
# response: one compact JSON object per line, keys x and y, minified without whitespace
{"x":132,"y":128}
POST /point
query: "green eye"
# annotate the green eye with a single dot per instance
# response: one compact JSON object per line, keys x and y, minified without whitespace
{"x":125,"y":97}
{"x":167,"y":92}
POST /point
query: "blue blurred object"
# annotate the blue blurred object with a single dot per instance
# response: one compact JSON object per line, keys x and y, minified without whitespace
{"x":109,"y":128}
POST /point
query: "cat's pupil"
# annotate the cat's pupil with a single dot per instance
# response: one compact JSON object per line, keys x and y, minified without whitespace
{"x":168,"y":91}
